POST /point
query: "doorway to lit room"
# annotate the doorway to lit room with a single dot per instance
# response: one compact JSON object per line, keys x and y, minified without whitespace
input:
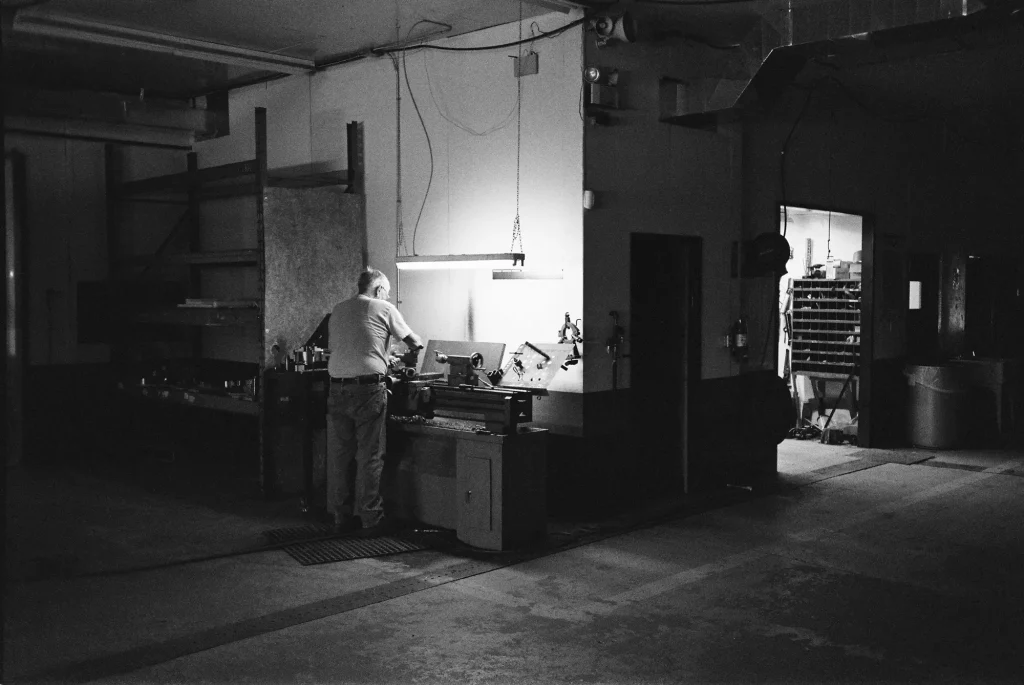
{"x":820,"y":308}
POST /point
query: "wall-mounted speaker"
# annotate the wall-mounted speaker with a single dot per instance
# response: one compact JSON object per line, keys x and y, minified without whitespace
{"x":608,"y":28}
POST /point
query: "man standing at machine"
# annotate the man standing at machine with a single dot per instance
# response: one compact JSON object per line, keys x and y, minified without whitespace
{"x":361,"y":330}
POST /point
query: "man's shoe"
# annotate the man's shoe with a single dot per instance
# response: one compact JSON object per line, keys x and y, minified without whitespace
{"x":384,"y":527}
{"x":346,"y":526}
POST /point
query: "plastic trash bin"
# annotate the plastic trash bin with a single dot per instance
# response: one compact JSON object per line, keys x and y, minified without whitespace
{"x":937,"y":406}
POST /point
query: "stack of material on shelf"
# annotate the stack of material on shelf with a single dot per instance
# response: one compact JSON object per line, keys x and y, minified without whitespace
{"x":213,"y":303}
{"x":837,"y":270}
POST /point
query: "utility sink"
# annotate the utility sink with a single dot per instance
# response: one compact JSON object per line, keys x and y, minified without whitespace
{"x":998,"y":376}
{"x":982,"y":370}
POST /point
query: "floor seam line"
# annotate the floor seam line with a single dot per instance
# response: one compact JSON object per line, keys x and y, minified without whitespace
{"x":168,"y":650}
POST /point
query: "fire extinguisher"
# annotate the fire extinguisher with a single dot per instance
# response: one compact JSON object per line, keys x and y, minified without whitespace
{"x":738,"y":339}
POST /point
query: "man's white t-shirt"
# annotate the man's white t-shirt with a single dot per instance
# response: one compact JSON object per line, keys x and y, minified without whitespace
{"x":360,"y":333}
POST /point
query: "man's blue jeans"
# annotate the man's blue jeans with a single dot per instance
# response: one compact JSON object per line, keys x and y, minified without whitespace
{"x":358,"y":417}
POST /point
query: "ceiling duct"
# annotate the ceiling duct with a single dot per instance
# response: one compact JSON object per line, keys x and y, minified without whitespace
{"x":788,"y":34}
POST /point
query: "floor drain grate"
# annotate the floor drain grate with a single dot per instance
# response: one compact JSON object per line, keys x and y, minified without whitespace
{"x":343,"y":549}
{"x":296,"y":533}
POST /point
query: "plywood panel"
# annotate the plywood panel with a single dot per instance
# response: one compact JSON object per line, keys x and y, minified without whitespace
{"x":314,"y":244}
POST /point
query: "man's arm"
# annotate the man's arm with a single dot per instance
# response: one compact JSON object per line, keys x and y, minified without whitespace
{"x":412,"y":357}
{"x":413,"y":341}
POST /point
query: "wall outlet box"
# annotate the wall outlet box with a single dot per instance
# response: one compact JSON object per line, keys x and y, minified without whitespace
{"x":529,"y":64}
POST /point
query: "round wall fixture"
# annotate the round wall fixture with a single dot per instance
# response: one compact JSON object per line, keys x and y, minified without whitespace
{"x":771,"y":252}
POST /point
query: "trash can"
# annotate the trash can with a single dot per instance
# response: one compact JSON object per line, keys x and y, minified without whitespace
{"x":937,"y":406}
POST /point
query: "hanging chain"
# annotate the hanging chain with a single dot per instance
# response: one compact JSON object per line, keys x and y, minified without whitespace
{"x":517,"y":234}
{"x":399,"y":219}
{"x":400,"y":241}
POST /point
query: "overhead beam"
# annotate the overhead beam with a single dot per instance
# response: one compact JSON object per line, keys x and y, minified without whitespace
{"x":98,"y":132}
{"x":112,"y":108}
{"x":57,"y":26}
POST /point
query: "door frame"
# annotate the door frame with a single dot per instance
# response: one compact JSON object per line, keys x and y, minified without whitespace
{"x":867,"y":309}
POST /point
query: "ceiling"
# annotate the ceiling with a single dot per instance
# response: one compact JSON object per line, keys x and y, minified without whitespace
{"x":321,"y":32}
{"x":950,"y":72}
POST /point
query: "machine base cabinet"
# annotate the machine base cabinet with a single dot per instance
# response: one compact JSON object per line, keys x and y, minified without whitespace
{"x":490,"y":488}
{"x":501,"y":494}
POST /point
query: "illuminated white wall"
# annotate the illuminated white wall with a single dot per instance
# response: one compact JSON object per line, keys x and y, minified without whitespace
{"x":472,"y":199}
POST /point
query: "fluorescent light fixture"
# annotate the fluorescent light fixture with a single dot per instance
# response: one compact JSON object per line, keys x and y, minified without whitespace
{"x":458,"y":261}
{"x":56,"y":26}
{"x":526,"y":274}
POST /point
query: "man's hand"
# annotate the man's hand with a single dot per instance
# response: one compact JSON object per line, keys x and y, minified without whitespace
{"x":410,"y":358}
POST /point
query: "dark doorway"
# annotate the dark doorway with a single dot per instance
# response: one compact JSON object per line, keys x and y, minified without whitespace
{"x":994,"y":309}
{"x":665,"y":344}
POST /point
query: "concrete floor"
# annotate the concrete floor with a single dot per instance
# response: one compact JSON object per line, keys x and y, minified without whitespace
{"x":861,"y":566}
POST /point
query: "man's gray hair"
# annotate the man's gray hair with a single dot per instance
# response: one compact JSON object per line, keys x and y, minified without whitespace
{"x":370,"y":279}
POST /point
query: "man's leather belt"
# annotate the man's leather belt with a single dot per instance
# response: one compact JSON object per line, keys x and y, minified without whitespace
{"x":360,"y":380}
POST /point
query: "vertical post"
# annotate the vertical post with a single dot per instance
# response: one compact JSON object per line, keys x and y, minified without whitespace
{"x":113,"y":182}
{"x":15,"y":297}
{"x":194,"y":228}
{"x":356,"y":161}
{"x":260,"y":189}
{"x":357,"y":186}
{"x":114,"y":172}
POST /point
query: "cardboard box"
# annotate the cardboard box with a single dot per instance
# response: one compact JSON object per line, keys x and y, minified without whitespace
{"x":837,"y":270}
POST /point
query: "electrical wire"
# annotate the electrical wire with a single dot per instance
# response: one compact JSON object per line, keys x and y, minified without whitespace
{"x":399,"y":211}
{"x":430,"y":150}
{"x":774,"y":315}
{"x":782,"y":160}
{"x":543,"y":34}
{"x":426,"y":46}
{"x":447,"y":116}
{"x":831,"y":194}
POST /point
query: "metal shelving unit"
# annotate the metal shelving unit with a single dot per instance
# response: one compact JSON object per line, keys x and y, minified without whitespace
{"x":825,"y":320}
{"x":180,"y":260}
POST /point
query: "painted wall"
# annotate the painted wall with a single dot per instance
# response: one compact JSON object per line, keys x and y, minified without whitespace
{"x":924,"y":186}
{"x":465,"y":149}
{"x":656,"y":177}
